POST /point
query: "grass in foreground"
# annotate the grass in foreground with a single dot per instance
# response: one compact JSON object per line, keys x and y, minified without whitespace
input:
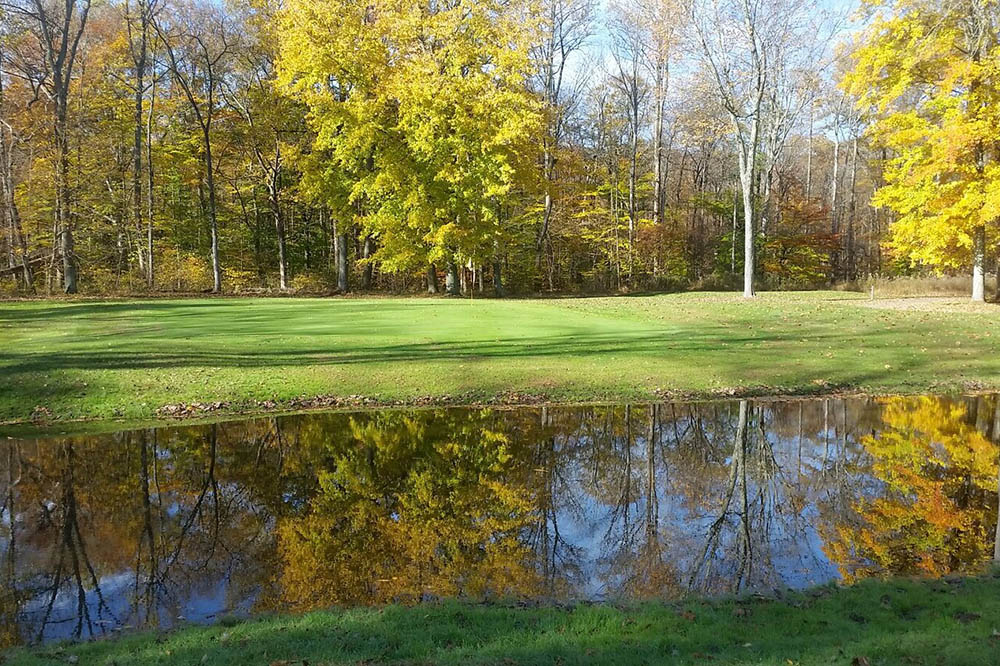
{"x":873,"y":623}
{"x":126,"y":359}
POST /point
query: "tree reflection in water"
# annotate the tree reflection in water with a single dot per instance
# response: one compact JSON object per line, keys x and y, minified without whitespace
{"x":142,"y":528}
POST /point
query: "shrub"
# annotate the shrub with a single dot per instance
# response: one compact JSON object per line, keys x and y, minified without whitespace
{"x":311,"y":283}
{"x":903,"y":287}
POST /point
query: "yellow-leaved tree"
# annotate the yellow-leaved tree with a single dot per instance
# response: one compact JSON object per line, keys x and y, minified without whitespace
{"x":423,"y":114}
{"x":929,"y":71}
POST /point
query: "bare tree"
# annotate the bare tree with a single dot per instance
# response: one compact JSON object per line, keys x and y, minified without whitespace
{"x":198,"y":47}
{"x":629,"y":45}
{"x":17,"y":244}
{"x":747,"y":44}
{"x":663,"y":19}
{"x":139,"y":26}
{"x":566,"y":27}
{"x":57,"y":27}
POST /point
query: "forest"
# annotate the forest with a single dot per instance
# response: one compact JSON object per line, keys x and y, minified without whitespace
{"x":494,"y":146}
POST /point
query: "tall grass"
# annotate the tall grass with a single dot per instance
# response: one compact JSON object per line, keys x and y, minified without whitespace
{"x":957,"y":286}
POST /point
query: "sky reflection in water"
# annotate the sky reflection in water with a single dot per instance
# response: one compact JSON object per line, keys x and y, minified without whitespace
{"x":143,"y":528}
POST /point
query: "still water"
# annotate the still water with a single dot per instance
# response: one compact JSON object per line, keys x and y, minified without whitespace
{"x":154,"y":527}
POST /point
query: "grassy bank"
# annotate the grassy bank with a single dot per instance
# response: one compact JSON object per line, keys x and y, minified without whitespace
{"x":900,"y":622}
{"x":127,"y":359}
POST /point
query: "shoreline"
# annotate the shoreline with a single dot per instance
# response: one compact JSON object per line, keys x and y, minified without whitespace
{"x":901,"y":620}
{"x":200,"y":413}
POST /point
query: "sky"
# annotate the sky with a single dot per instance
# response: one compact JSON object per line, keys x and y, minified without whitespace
{"x":597,"y":50}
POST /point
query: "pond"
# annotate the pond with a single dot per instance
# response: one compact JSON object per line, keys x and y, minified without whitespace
{"x":149,"y":528}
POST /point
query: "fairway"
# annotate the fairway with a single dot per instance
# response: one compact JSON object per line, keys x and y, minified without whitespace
{"x":127,"y":359}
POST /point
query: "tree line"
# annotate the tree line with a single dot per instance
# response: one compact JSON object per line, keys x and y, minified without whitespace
{"x":497,"y":146}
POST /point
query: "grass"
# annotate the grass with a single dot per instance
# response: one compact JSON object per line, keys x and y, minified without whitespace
{"x":952,"y":622}
{"x":906,"y":287}
{"x":74,"y":359}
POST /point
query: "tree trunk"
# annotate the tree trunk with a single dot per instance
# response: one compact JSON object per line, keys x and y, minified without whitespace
{"x":139,"y":59}
{"x":212,"y":217}
{"x":748,"y":249}
{"x":452,"y":281}
{"x":852,"y":212}
{"x":978,"y":264}
{"x":343,"y":273}
{"x":747,"y":162}
{"x":548,"y":169}
{"x":809,"y":154}
{"x":138,"y":122}
{"x":279,"y":228}
{"x":150,"y":274}
{"x":633,"y":177}
{"x":17,"y":239}
{"x":63,"y":216}
{"x":834,"y":221}
{"x":432,"y":279}
{"x":367,"y":250}
{"x":658,"y":171}
{"x":497,"y":279}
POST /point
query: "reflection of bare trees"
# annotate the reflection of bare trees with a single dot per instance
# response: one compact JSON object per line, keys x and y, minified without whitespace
{"x":155,"y":523}
{"x":737,"y":479}
{"x":623,"y":501}
{"x":556,"y":559}
{"x":71,"y":561}
{"x":11,"y":597}
{"x":144,"y":591}
{"x":740,"y":539}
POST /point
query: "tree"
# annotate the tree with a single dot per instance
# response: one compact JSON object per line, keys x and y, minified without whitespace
{"x":565,"y":27}
{"x":139,"y":25}
{"x":663,"y":18}
{"x":750,"y":48}
{"x":57,"y":28}
{"x":17,"y":247}
{"x":736,"y":54}
{"x":425,"y":113}
{"x":198,"y":44}
{"x":929,"y":73}
{"x":628,"y":51}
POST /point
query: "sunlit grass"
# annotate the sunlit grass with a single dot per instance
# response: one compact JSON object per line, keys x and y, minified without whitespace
{"x":126,"y":359}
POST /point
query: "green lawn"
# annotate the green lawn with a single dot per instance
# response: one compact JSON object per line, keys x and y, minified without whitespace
{"x":125,"y":359}
{"x":871,"y":624}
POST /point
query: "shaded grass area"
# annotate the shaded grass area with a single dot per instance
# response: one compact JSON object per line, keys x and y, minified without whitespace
{"x":125,"y":359}
{"x":896,"y":622}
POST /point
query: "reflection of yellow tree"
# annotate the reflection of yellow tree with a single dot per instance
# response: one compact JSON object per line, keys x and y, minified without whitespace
{"x":937,"y":508}
{"x":411,"y":505}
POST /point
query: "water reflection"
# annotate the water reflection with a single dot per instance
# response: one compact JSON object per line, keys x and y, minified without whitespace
{"x":142,"y":528}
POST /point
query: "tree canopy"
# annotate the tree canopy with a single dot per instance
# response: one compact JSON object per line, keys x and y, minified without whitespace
{"x":511,"y":146}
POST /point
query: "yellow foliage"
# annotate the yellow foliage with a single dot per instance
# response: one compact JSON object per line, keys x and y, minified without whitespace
{"x":932,"y":80}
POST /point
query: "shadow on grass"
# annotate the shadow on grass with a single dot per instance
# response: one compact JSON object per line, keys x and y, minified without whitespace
{"x":709,"y":340}
{"x":263,"y":336}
